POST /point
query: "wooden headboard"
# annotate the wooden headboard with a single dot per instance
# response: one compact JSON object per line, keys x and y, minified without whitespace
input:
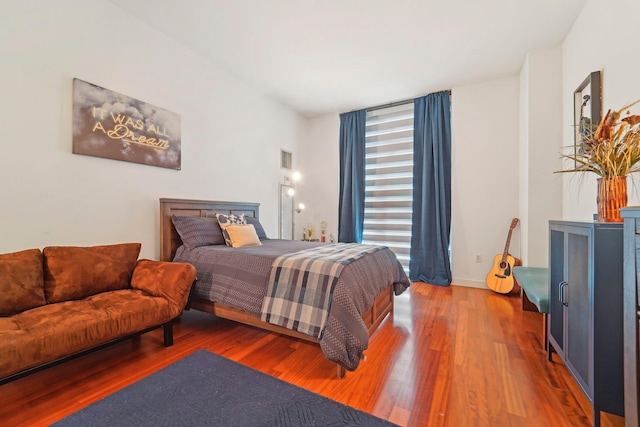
{"x":170,"y":240}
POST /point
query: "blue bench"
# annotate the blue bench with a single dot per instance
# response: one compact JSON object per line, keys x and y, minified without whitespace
{"x":534,"y":281}
{"x":534,"y":285}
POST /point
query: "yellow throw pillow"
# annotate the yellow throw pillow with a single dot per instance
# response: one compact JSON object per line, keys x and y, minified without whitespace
{"x":243,"y":235}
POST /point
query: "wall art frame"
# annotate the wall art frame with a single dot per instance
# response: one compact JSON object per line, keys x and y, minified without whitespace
{"x":587,"y":110}
{"x":110,"y":125}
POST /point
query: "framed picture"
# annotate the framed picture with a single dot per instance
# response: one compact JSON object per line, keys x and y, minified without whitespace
{"x":587,"y":102}
{"x":110,"y":125}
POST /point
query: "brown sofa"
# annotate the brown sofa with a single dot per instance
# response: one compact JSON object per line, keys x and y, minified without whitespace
{"x":65,"y":300}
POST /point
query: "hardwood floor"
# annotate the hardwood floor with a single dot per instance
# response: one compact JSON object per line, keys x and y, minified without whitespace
{"x":450,"y":356}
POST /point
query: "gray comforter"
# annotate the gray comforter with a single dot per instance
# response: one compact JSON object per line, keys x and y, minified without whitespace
{"x":238,"y":277}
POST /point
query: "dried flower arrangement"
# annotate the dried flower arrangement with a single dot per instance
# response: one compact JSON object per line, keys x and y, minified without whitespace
{"x":613,"y":150}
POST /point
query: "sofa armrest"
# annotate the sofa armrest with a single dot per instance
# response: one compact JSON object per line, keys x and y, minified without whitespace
{"x":169,"y":280}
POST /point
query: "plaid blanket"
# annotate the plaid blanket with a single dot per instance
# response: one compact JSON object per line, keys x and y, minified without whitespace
{"x":301,"y":285}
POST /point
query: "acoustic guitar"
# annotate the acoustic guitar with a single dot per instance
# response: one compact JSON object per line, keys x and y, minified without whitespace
{"x":500,"y":278}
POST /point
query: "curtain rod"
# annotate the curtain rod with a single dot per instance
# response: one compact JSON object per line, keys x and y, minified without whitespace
{"x":396,"y":103}
{"x":389,"y":105}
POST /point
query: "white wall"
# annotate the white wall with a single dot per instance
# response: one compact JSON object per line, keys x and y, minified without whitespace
{"x":231,"y":136}
{"x":604,"y":37}
{"x":540,"y":189}
{"x":523,"y":161}
{"x":320,"y":169}
{"x":485,"y":128}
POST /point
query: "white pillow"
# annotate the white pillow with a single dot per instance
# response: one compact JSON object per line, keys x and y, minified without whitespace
{"x":243,"y":235}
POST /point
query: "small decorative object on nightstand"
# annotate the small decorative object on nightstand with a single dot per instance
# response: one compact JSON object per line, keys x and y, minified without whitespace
{"x":323,"y":231}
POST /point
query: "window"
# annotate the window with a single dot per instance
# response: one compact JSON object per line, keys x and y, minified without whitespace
{"x":389,"y":179}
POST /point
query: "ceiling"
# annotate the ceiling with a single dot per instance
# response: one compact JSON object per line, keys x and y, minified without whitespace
{"x":322,"y":56}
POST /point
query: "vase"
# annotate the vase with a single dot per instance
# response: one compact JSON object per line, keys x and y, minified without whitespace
{"x":612,"y":195}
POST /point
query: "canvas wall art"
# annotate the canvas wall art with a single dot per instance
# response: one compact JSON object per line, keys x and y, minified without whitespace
{"x":114,"y":126}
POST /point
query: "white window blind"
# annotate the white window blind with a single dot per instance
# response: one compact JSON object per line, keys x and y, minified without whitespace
{"x":388,"y":179}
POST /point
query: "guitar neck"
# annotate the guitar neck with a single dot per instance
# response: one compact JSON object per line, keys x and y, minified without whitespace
{"x":506,"y":246}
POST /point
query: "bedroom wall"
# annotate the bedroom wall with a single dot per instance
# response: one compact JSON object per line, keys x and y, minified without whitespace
{"x":231,"y":135}
{"x":604,"y":37}
{"x":485,"y":127}
{"x":320,"y":168}
{"x":540,"y":189}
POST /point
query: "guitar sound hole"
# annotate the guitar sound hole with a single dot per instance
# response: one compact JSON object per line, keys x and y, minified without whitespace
{"x":503,"y":265}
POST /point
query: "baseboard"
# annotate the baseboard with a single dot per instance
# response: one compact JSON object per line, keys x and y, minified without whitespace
{"x":469,"y":283}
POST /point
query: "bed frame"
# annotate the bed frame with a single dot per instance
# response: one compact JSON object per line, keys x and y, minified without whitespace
{"x":170,"y":241}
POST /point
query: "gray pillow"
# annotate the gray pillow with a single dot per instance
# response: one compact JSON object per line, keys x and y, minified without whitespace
{"x":196,"y":231}
{"x":259,"y":229}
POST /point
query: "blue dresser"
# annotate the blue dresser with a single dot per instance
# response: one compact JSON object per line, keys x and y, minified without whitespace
{"x":585,"y":308}
{"x":631,"y":217}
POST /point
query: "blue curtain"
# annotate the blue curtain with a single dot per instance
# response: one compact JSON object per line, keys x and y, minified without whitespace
{"x":351,"y":203}
{"x":430,"y":234}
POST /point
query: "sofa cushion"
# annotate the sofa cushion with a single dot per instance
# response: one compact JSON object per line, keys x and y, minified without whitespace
{"x":7,"y":324}
{"x":58,"y":330}
{"x":72,"y":272}
{"x":21,"y":283}
{"x":169,"y":280}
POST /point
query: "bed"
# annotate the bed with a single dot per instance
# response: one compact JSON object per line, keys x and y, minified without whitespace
{"x":362,"y":297}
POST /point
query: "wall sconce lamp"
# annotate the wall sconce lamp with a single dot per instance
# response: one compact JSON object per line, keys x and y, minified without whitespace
{"x":296,"y":179}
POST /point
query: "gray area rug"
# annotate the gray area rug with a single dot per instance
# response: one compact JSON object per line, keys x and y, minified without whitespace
{"x":205,"y":389}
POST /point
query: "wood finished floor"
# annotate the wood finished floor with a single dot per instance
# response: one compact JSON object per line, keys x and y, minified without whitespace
{"x":451,"y":356}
